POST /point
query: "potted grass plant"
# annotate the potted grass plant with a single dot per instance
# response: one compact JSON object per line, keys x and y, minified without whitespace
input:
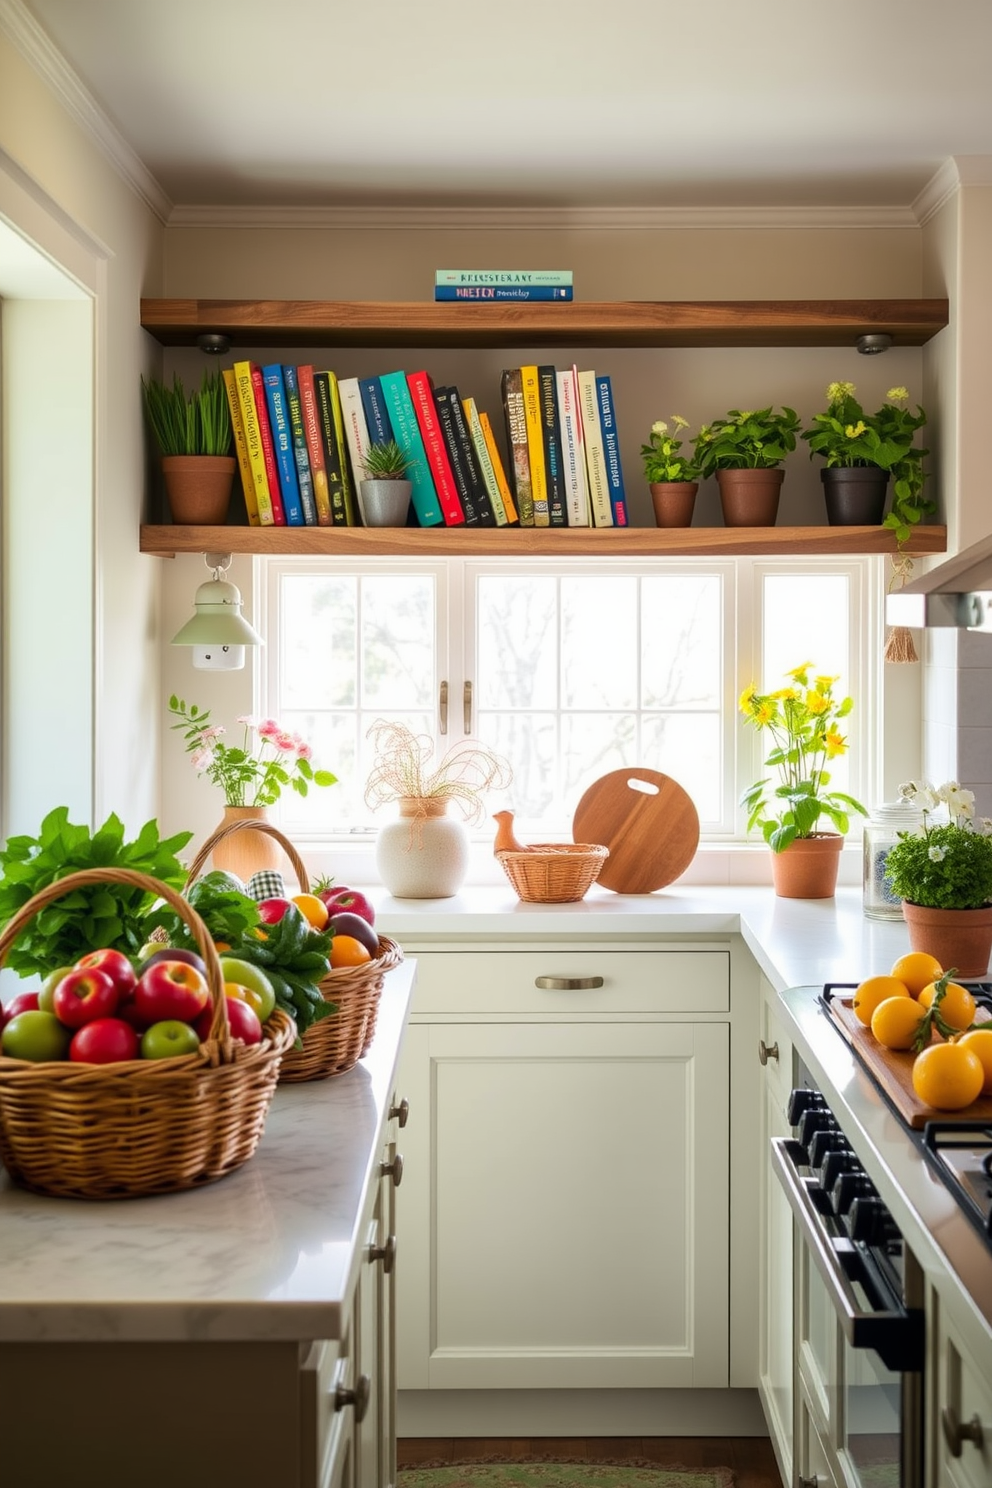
{"x":193,"y":434}
{"x":386,"y":490}
{"x":745,"y":450}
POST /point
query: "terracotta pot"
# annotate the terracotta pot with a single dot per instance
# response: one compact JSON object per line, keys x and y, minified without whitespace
{"x":673,"y":502}
{"x":198,"y":488}
{"x":244,"y":852}
{"x":959,"y":938}
{"x":854,"y":495}
{"x":750,"y":497}
{"x":808,"y":867}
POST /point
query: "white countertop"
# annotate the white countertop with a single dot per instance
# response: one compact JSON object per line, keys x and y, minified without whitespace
{"x":210,"y":1263}
{"x":795,"y":941}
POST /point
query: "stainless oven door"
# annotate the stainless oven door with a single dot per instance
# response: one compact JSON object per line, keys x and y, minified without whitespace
{"x":859,"y":1345}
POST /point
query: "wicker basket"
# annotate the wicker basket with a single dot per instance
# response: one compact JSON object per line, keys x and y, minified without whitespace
{"x":337,"y":1042}
{"x":554,"y":872}
{"x":112,"y":1131}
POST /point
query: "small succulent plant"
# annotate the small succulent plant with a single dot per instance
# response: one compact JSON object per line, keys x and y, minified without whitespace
{"x":385,"y":461}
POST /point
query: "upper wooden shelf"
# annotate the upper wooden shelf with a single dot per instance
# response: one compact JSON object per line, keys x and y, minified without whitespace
{"x":578,"y":323}
{"x":560,"y":542}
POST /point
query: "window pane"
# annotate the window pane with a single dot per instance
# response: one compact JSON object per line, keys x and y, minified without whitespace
{"x":686,"y":746}
{"x":599,"y":642}
{"x":398,"y":662}
{"x":681,"y":622}
{"x":517,"y":642}
{"x":318,"y":649}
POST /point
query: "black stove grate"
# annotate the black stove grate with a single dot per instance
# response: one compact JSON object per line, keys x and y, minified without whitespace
{"x":962,"y":1155}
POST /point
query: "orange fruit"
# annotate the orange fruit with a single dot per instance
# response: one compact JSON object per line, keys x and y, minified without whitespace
{"x":221,"y":945}
{"x":917,"y":969}
{"x":948,"y":1076}
{"x":957,"y":1006}
{"x":979,"y":1041}
{"x":347,"y":951}
{"x":313,"y":909}
{"x":896,"y":1021}
{"x":873,"y":990}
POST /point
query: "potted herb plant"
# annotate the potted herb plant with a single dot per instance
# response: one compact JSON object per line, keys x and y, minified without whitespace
{"x":193,"y":434}
{"x":424,"y":854}
{"x":745,"y":450}
{"x":672,"y":477}
{"x":802,"y":720}
{"x":386,"y":490}
{"x":943,"y":874}
{"x":862,"y":451}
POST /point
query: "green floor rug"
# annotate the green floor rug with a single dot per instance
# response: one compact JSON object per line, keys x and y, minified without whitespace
{"x":563,"y":1475}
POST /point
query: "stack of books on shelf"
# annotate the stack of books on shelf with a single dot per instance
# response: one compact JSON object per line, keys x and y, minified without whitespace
{"x":302,"y":436}
{"x":500,"y":285}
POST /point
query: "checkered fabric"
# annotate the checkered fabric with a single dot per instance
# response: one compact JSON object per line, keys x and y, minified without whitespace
{"x":266,"y":884}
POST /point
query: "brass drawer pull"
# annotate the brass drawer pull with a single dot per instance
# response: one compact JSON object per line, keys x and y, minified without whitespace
{"x":401,"y":1112}
{"x":384,"y":1253}
{"x":395,"y":1168}
{"x":956,"y":1433}
{"x":359,"y":1397}
{"x":567,"y":984}
{"x":766,"y":1051}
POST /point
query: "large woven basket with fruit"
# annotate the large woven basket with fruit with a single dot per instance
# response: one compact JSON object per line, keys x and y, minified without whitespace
{"x":132,"y":1126}
{"x":333,"y":1043}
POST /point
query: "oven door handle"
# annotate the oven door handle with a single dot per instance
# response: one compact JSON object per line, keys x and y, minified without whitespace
{"x":893,"y":1331}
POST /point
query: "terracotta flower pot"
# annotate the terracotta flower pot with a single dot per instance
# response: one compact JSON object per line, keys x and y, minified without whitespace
{"x":673,"y":502}
{"x":854,"y":495}
{"x":198,"y":488}
{"x":750,"y":497}
{"x":958,"y":938}
{"x":808,"y":867}
{"x":245,"y":852}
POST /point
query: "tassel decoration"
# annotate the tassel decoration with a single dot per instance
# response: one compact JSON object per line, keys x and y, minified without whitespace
{"x":899,"y":647}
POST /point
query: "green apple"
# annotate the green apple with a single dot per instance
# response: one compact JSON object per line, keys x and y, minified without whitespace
{"x":47,"y":993}
{"x":37,"y":1036}
{"x":169,"y":1039}
{"x":252,"y":977}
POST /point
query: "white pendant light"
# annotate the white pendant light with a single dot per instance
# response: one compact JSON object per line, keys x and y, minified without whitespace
{"x":218,"y":632}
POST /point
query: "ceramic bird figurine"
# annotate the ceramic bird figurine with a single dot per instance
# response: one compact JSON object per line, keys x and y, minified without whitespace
{"x":505,"y":840}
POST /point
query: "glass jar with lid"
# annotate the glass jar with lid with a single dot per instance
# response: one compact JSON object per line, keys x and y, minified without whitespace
{"x":881,"y":833}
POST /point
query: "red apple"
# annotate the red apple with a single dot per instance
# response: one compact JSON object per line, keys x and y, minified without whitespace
{"x":84,"y":995}
{"x":271,"y":911}
{"x":352,"y":900}
{"x":117,"y":967}
{"x":23,"y":1002}
{"x":174,"y":953}
{"x":170,"y":990}
{"x":242,"y":1019}
{"x":104,"y":1041}
{"x":346,"y":923}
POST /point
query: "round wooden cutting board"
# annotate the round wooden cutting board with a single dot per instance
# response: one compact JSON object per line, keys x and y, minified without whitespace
{"x":647,"y":821}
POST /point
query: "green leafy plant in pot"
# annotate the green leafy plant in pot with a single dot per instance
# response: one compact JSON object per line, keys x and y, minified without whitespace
{"x":862,"y":452}
{"x":802,"y":720}
{"x":193,"y":434}
{"x":672,"y":477}
{"x":386,"y":489}
{"x":745,"y":450}
{"x":943,"y":874}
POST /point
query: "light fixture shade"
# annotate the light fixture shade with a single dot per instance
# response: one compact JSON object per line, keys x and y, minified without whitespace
{"x":218,"y":620}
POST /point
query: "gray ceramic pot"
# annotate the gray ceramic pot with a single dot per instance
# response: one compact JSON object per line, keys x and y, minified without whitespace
{"x":385,"y":503}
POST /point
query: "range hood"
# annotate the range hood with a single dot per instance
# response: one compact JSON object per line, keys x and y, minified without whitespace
{"x":957,"y":593}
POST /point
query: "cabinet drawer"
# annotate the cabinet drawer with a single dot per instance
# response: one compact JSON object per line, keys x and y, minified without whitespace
{"x":963,"y":1429}
{"x":606,"y":981}
{"x":324,"y":1432}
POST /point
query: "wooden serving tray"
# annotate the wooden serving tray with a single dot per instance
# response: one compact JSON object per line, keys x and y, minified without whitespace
{"x":893,"y":1071}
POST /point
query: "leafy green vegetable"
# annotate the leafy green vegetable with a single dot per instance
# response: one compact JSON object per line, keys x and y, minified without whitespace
{"x":294,"y":956}
{"x":87,"y":919}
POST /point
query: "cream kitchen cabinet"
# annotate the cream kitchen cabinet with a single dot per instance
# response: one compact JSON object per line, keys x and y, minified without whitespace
{"x":566,"y":1214}
{"x":959,"y":1419}
{"x":776,"y":1385}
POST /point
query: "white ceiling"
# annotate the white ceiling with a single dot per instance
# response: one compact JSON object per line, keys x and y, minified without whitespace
{"x":551,"y":103}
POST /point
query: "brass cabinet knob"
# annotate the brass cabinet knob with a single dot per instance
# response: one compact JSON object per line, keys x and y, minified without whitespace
{"x":956,"y":1432}
{"x":567,"y":984}
{"x":811,"y":1482}
{"x":395,"y":1168}
{"x":359,"y":1397}
{"x":400,"y":1112}
{"x":384,"y":1253}
{"x":766,"y":1051}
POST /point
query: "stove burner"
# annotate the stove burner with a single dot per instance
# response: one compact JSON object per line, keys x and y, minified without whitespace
{"x":962,"y":1156}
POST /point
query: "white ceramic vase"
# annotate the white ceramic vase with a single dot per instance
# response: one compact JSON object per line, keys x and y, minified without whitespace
{"x":424,"y":853}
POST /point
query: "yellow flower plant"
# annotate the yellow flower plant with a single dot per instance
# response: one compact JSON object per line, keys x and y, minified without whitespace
{"x":802,"y":720}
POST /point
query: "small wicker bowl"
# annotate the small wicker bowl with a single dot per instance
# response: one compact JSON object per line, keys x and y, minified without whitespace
{"x":554,"y":872}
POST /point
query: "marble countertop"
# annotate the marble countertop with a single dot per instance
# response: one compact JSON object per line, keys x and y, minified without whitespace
{"x":210,"y":1263}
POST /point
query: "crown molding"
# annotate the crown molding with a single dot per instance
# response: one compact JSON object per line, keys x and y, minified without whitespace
{"x":543,"y":219}
{"x":36,"y":47}
{"x":956,"y":171}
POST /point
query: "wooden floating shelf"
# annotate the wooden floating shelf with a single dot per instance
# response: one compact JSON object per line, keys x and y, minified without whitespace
{"x":522,"y":542}
{"x":247,"y":323}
